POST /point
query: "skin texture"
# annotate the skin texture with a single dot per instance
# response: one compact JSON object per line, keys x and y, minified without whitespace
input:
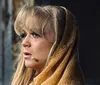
{"x":35,"y":48}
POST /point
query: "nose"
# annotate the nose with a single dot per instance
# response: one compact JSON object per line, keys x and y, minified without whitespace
{"x":26,"y":42}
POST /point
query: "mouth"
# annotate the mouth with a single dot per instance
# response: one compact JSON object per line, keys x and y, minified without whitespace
{"x":27,"y":55}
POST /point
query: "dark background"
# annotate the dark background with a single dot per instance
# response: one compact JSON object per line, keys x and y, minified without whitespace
{"x":87,"y":13}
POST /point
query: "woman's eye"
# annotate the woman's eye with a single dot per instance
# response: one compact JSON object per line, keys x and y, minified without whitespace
{"x":35,"y":35}
{"x":23,"y":36}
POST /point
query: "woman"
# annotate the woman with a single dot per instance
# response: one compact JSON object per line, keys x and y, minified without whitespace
{"x":49,"y":52}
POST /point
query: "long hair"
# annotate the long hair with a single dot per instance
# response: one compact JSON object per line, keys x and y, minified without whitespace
{"x":49,"y":18}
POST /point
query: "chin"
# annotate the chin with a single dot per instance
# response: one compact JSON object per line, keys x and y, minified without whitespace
{"x":31,"y":64}
{"x":28,"y":64}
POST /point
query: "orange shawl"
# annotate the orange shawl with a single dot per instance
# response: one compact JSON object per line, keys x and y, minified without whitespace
{"x":64,"y":60}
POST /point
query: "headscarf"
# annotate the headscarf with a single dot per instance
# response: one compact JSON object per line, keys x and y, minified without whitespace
{"x":63,"y":67}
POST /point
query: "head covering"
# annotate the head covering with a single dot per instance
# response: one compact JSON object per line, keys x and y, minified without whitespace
{"x":62,"y":68}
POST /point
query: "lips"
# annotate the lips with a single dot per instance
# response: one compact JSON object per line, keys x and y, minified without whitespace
{"x":27,"y":55}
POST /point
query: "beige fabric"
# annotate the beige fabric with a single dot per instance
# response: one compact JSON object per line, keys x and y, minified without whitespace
{"x":63,"y":67}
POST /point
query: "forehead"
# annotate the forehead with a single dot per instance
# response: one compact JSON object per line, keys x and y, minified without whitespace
{"x":32,"y":20}
{"x":36,"y":24}
{"x":30,"y":23}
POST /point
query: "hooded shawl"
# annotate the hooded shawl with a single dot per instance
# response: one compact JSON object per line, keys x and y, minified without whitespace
{"x":63,"y":66}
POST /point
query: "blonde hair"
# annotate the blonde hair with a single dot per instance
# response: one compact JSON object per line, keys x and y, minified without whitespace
{"x":50,"y":18}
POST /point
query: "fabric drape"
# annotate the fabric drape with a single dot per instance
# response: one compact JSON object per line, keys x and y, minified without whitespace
{"x":63,"y":66}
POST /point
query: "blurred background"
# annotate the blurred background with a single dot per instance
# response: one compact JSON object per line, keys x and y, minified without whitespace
{"x":87,"y":13}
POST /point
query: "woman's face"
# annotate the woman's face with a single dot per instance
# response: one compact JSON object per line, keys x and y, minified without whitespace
{"x":35,"y":48}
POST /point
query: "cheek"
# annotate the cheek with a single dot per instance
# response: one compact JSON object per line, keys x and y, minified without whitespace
{"x":41,"y":49}
{"x":51,"y":37}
